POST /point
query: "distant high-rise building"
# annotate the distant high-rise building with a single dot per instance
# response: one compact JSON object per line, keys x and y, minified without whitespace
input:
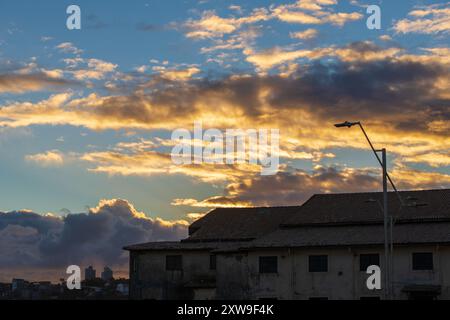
{"x":89,"y":273}
{"x":18,"y":284}
{"x":107,"y":274}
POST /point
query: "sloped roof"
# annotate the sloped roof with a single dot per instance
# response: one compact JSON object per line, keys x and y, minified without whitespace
{"x":324,"y":220}
{"x":239,"y":223}
{"x":170,"y":245}
{"x":321,"y":236}
{"x":181,"y":245}
{"x":355,"y":207}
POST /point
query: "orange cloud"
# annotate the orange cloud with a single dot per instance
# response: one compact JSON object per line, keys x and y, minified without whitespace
{"x":428,"y":20}
{"x":20,"y":83}
{"x":304,"y":35}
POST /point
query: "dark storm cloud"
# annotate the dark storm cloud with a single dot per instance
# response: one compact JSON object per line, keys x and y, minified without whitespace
{"x":382,"y":88}
{"x":295,"y":186}
{"x":406,"y":91}
{"x":377,"y":88}
{"x":370,"y":88}
{"x":32,"y":240}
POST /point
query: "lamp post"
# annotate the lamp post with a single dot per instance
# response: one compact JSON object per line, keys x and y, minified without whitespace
{"x":386,"y":177}
{"x":391,"y":242}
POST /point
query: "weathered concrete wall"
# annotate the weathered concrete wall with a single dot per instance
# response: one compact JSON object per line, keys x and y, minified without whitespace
{"x":238,"y":274}
{"x":343,"y":280}
{"x":404,"y":273}
{"x":232,"y":276}
{"x":151,"y":280}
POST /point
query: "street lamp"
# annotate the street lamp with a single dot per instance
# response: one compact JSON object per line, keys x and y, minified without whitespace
{"x":391,"y":242}
{"x":348,"y":124}
{"x":386,"y":219}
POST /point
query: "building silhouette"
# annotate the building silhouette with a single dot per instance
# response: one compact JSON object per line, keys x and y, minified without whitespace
{"x":107,"y":274}
{"x":89,"y":273}
{"x":319,"y":250}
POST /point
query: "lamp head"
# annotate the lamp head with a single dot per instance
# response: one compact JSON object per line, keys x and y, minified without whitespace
{"x":345,"y":124}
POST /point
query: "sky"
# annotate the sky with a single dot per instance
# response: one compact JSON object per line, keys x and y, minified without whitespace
{"x":86,"y":116}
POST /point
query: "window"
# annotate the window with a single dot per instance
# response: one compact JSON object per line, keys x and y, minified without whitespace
{"x":422,"y":261}
{"x":268,"y":264}
{"x":212,"y":262}
{"x":174,"y":263}
{"x":366,"y":260}
{"x":318,"y":263}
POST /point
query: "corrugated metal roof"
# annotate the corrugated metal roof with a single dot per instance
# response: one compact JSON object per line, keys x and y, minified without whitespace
{"x":239,"y":223}
{"x":181,"y":245}
{"x":353,"y":235}
{"x":326,"y":219}
{"x":355,"y":208}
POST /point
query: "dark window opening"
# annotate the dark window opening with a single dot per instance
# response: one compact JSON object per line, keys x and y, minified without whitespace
{"x":366,"y":260}
{"x":174,"y":263}
{"x":212,"y":262}
{"x":422,"y":261}
{"x":268,"y":264}
{"x":318,"y":263}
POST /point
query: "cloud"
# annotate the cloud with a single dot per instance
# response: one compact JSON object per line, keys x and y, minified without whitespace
{"x":20,"y":83}
{"x":275,"y":56}
{"x":241,"y":40}
{"x":313,"y":12}
{"x":285,"y":14}
{"x":291,"y":187}
{"x":294,"y":186}
{"x":147,"y":163}
{"x":179,"y":75}
{"x":365,"y":51}
{"x":212,"y":202}
{"x":69,"y":47}
{"x":97,"y":70}
{"x":355,"y":52}
{"x":46,"y":159}
{"x":195,"y":216}
{"x":304,"y":35}
{"x":211,"y":25}
{"x":38,"y":241}
{"x":403,"y":98}
{"x":433,"y":19}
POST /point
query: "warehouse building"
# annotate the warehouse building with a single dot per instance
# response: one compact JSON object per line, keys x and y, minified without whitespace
{"x":319,"y":250}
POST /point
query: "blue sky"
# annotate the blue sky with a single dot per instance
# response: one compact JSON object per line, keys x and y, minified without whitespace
{"x":154,"y":35}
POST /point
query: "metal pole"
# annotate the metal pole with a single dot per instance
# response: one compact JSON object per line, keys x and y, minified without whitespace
{"x":391,"y":257}
{"x":385,"y":211}
{"x":381,"y":163}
